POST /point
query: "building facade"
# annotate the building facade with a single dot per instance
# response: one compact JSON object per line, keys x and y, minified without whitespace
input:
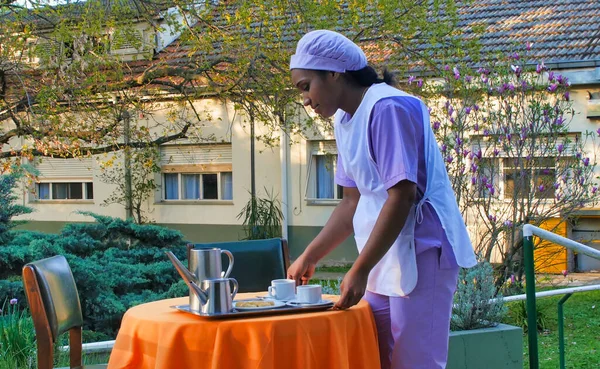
{"x":204,"y":184}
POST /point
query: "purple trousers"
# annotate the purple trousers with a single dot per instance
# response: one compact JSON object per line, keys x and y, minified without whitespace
{"x":413,"y":330}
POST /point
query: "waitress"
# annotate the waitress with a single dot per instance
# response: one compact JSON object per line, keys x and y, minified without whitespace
{"x":397,"y":199}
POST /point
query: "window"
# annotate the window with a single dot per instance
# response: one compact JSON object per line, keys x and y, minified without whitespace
{"x":197,"y":172}
{"x":65,"y":191}
{"x":321,"y":176}
{"x":198,"y":186}
{"x":325,"y":181}
{"x":55,"y":50}
{"x":533,"y":176}
{"x":539,"y":173}
{"x":64,"y":179}
{"x":31,"y":54}
{"x":488,"y":180}
{"x":593,"y":107}
{"x":127,"y":39}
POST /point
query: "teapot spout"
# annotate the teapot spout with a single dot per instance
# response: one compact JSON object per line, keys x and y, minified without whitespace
{"x":188,"y":277}
{"x":202,"y":295}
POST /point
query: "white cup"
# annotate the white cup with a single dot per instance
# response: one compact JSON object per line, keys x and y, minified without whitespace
{"x":308,"y":294}
{"x":282,"y":289}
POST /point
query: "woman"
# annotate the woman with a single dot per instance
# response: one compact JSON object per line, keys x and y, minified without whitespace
{"x":397,"y":200}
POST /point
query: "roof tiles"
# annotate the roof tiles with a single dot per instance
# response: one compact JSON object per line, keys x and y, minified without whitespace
{"x":560,"y":31}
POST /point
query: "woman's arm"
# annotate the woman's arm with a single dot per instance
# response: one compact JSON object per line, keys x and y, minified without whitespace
{"x":336,"y":230}
{"x":390,"y":222}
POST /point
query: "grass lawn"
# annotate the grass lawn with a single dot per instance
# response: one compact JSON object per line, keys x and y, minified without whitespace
{"x":333,"y":269}
{"x":581,"y":330}
{"x":95,"y":359}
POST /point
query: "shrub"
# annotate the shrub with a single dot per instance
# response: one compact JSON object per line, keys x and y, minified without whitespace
{"x":330,"y":286}
{"x":116,"y":264}
{"x":262,"y":217}
{"x":473,"y":304}
{"x":517,"y":314}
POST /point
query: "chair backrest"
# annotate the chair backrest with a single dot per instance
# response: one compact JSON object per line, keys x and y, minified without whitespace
{"x":55,"y":307}
{"x":255,"y":262}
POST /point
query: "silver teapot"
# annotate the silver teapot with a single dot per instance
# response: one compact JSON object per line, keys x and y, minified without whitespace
{"x":205,"y":264}
{"x":213,"y":296}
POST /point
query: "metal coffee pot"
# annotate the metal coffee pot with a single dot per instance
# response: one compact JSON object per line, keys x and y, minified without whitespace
{"x":205,"y":264}
{"x":216,"y":296}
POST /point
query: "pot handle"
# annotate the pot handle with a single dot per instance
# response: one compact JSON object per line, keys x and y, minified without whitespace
{"x":230,"y":266}
{"x":235,"y":287}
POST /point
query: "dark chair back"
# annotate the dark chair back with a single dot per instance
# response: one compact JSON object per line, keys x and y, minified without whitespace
{"x":55,"y":308}
{"x":255,"y":262}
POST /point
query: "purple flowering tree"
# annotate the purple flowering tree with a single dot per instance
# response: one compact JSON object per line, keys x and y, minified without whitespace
{"x":504,"y":132}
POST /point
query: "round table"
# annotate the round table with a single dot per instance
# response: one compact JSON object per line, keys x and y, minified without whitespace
{"x":156,"y":336}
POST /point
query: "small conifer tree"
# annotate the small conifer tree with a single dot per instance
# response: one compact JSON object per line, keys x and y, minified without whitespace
{"x":8,"y":207}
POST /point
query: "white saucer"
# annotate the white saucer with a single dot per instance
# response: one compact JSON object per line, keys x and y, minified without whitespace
{"x":276,"y":304}
{"x":272,"y":298}
{"x":295,"y":302}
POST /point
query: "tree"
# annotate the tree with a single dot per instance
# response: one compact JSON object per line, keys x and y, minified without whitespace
{"x":71,"y":102}
{"x":133,"y":192}
{"x":232,"y":49}
{"x":8,"y":208}
{"x":509,"y":150}
{"x":252,"y":42}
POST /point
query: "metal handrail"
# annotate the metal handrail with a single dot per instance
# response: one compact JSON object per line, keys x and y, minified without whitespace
{"x":561,"y":291}
{"x":528,"y":232}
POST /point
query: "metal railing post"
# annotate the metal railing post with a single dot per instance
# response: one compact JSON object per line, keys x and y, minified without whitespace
{"x":531,"y":310}
{"x":528,"y":232}
{"x":561,"y":331}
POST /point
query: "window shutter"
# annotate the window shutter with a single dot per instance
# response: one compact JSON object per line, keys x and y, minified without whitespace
{"x":593,"y":108}
{"x":487,"y":145}
{"x":323,"y":147}
{"x":196,"y":158}
{"x":65,"y":168}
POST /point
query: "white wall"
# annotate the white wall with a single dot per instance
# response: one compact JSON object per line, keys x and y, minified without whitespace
{"x":220,"y":123}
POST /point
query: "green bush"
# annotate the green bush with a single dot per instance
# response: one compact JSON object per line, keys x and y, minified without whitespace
{"x":262,"y":217}
{"x":116,"y":263}
{"x":10,"y":207}
{"x":473,"y":307}
{"x":330,"y":286}
{"x":517,"y":315}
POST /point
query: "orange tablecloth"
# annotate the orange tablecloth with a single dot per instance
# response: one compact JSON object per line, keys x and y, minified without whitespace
{"x":155,"y":336}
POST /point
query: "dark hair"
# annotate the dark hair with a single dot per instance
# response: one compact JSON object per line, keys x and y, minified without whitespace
{"x":368,"y":76}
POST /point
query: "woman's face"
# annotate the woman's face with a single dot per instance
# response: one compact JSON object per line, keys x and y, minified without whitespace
{"x":320,"y":90}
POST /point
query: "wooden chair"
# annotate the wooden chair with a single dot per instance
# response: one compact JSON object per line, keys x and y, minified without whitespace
{"x":55,"y":308}
{"x":255,"y":262}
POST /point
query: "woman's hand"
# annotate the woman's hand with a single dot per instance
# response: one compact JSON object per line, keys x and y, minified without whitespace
{"x":301,"y":270}
{"x":352,"y":289}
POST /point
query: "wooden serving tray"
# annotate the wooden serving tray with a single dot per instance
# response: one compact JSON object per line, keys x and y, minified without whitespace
{"x":287,"y":309}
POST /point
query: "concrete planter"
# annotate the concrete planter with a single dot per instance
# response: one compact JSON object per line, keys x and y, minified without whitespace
{"x":500,"y":347}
